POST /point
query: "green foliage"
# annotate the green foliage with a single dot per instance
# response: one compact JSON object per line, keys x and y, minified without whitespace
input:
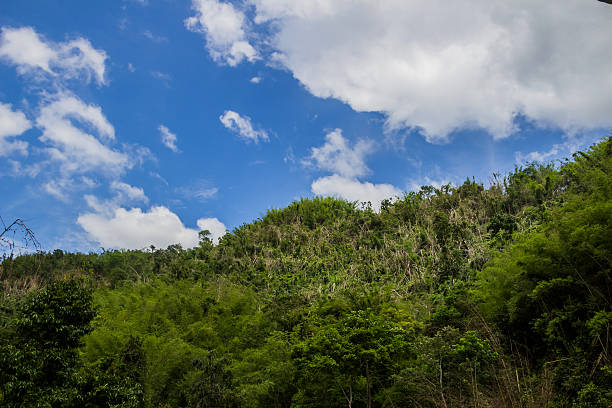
{"x":551,"y":289}
{"x":349,"y":357}
{"x":452,"y":296}
{"x":39,"y":357}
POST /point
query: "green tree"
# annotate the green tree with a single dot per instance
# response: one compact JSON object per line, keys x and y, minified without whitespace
{"x":40,"y":359}
{"x":354,"y":353}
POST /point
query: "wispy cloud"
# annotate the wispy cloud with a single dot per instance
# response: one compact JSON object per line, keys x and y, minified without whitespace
{"x":32,"y":54}
{"x":200,"y":190}
{"x":168,"y":138}
{"x":128,"y":192}
{"x":206,"y":193}
{"x":163,"y":77}
{"x":155,"y":38}
{"x":570,"y":144}
{"x":242,"y":126}
{"x":71,"y":144}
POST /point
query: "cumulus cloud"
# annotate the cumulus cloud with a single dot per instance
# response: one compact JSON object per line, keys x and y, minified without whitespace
{"x":347,"y":163}
{"x":223,"y":27}
{"x":168,"y":138}
{"x":439,"y":66}
{"x":134,"y":228}
{"x":12,"y":123}
{"x":242,"y":126}
{"x":354,"y":190}
{"x":216,"y":228}
{"x":31,"y":53}
{"x":338,"y":157}
{"x":66,"y":123}
{"x":24,"y":48}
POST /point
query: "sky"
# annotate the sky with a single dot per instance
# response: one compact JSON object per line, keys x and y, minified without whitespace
{"x":130,"y":123}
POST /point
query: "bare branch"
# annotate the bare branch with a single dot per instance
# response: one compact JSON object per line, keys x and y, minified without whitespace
{"x":16,"y":235}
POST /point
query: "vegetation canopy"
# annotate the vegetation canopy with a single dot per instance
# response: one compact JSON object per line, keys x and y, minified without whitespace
{"x":477,"y":296}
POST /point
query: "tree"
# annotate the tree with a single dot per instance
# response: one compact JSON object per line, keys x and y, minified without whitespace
{"x":350,"y":354}
{"x":39,"y":358}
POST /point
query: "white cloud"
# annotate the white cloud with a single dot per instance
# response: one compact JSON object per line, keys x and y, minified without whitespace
{"x":541,"y":157}
{"x":242,"y":126}
{"x":134,"y":229}
{"x":76,"y":58}
{"x":441,"y":66}
{"x":255,"y":80}
{"x":12,"y":123}
{"x":168,"y":138}
{"x":24,"y":48}
{"x":354,"y":190}
{"x":338,"y":157}
{"x":124,"y":194}
{"x":75,"y":148}
{"x":223,"y":26}
{"x":129,"y":192}
{"x":216,"y":228}
{"x":101,"y":206}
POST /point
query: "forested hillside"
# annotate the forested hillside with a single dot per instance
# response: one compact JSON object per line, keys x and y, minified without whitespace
{"x":474,"y":296}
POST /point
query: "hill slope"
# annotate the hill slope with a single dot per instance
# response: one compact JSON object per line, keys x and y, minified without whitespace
{"x":458,"y":296}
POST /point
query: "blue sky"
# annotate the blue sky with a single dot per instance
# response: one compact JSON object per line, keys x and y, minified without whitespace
{"x":134,"y":123}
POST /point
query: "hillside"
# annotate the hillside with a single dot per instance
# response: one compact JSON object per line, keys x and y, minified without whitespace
{"x":475,"y":296}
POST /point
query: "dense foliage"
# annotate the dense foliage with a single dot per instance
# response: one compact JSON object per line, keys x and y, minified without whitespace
{"x":451,"y":296}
